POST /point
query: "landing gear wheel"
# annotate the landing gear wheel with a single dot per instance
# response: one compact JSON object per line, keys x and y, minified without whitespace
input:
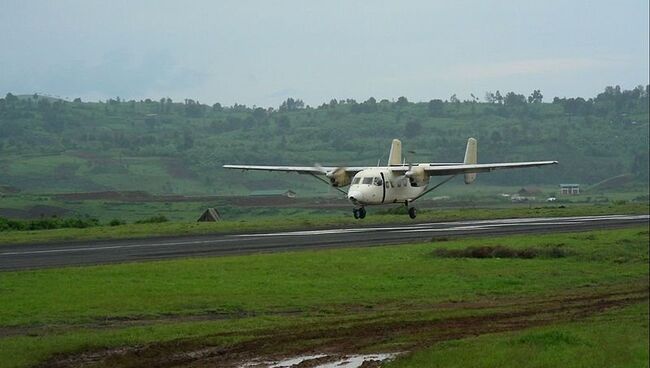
{"x":355,"y":212}
{"x":412,"y":212}
{"x":362,"y":213}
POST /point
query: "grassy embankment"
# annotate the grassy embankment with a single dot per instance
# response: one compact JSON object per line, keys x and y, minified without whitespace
{"x":291,"y":222}
{"x":390,"y":298}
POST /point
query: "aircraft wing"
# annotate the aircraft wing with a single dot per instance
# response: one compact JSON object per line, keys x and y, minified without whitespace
{"x":311,"y":170}
{"x":477,"y":168}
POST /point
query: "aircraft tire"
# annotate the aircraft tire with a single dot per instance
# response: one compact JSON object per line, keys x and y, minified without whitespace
{"x":355,"y":212}
{"x":362,"y":213}
{"x":412,"y":212}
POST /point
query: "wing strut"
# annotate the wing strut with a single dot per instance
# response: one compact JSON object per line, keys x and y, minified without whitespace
{"x":328,"y":183}
{"x":432,"y":188}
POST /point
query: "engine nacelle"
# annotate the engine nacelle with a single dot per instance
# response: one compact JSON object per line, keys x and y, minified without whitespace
{"x":339,"y":178}
{"x":417,"y":176}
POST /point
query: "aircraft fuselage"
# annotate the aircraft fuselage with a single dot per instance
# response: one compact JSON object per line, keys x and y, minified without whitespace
{"x":381,"y":185}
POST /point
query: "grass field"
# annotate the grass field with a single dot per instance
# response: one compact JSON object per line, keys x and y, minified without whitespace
{"x":303,"y":219}
{"x":390,"y":298}
{"x":601,"y":341}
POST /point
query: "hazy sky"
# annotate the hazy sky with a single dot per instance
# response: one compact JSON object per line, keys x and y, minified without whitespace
{"x":261,"y":52}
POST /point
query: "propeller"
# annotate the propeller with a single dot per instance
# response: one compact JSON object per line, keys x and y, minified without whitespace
{"x":331,"y":175}
{"x":407,"y":173}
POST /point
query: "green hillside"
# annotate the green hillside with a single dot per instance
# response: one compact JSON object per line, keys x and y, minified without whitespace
{"x":50,"y":146}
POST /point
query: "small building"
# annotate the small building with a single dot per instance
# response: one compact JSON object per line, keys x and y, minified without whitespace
{"x":570,"y":189}
{"x":274,"y":193}
{"x":210,"y":215}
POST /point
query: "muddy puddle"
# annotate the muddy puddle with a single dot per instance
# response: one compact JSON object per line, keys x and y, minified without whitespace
{"x":324,"y":361}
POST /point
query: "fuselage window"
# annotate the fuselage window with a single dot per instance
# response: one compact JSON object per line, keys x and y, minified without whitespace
{"x":377,"y":181}
{"x":356,"y":181}
{"x":366,"y":181}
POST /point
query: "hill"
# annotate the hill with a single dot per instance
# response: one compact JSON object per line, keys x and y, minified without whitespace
{"x":178,"y":147}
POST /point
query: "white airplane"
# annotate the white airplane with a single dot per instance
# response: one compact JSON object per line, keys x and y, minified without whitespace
{"x":398,"y":182}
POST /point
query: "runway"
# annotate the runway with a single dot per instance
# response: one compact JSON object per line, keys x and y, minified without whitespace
{"x":33,"y":256}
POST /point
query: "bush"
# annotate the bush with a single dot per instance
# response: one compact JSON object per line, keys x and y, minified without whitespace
{"x":117,"y":222}
{"x":153,"y":220}
{"x":46,"y":223}
{"x":500,"y":252}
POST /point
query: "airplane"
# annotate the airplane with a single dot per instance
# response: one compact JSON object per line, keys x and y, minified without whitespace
{"x":398,"y":182}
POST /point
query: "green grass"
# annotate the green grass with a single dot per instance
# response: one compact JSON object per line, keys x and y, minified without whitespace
{"x":299,"y":219}
{"x":80,"y":308}
{"x":317,"y":279}
{"x":615,"y":339}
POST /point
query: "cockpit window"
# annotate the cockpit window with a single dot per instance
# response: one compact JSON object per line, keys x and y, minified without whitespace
{"x":356,"y":180}
{"x":366,"y":181}
{"x":377,"y":181}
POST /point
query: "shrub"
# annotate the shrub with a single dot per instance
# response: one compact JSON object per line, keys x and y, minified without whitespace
{"x":500,"y":252}
{"x":153,"y":220}
{"x":46,"y":223}
{"x":116,"y":222}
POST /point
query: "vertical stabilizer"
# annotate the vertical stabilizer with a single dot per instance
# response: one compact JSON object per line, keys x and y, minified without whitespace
{"x":470,"y":158}
{"x":395,"y":156}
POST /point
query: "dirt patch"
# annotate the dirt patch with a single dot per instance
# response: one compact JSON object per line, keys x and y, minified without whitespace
{"x":8,"y":189}
{"x":411,"y":331}
{"x":64,"y":171}
{"x":13,"y":213}
{"x":47,"y":211}
{"x":35,"y":212}
{"x":130,"y":196}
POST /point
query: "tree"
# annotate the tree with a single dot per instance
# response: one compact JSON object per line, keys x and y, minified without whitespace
{"x":498,"y":98}
{"x":436,"y":107}
{"x":259,"y":114}
{"x":412,"y":129}
{"x":490,"y":97}
{"x":290,"y":104}
{"x":283,"y":123}
{"x":368,"y":106}
{"x":454,"y":99}
{"x":513,"y":99}
{"x":535,"y":97}
{"x":9,"y":98}
{"x":402,"y":101}
{"x":495,"y":137}
{"x":193,"y":109}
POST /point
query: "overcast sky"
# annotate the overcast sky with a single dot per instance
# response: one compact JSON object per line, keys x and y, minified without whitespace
{"x":261,"y":52}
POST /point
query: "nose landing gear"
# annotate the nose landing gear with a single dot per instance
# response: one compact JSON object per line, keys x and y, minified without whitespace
{"x":359,"y":213}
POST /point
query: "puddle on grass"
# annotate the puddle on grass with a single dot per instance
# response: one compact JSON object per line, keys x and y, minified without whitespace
{"x":323,"y":361}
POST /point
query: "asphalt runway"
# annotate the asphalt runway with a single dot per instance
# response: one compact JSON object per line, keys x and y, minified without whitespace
{"x":32,"y":256}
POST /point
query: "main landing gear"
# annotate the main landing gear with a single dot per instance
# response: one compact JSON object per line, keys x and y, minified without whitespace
{"x":411,"y":210}
{"x":359,"y":213}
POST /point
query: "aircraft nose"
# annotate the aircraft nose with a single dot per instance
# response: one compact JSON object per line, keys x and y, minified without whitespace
{"x":355,"y":196}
